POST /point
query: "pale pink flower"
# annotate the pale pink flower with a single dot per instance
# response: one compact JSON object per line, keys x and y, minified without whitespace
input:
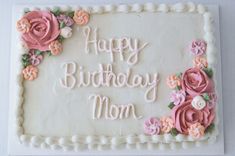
{"x":177,"y":96}
{"x":200,"y":62}
{"x":34,"y":58}
{"x":23,"y":25}
{"x":81,"y":17}
{"x":152,"y":126}
{"x":167,"y":124}
{"x":198,"y":47}
{"x":55,"y":47}
{"x":196,"y":130}
{"x":68,"y":21}
{"x":213,"y":99}
{"x":173,"y":81}
{"x":30,"y":72}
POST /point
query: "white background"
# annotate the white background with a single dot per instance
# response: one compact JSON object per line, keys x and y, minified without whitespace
{"x":227,"y":26}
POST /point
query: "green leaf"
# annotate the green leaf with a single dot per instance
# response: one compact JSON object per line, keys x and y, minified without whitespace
{"x":206,"y":97}
{"x":209,"y":72}
{"x":178,"y":88}
{"x":38,"y":52}
{"x":25,"y":56}
{"x":171,"y":105}
{"x":210,"y":128}
{"x":174,"y":132}
{"x":25,"y":60}
{"x":49,"y":53}
{"x":70,"y":14}
{"x":56,"y":11}
{"x":26,"y":11}
{"x":61,"y":38}
{"x":25,"y":64}
{"x":179,"y":75}
{"x":62,"y":25}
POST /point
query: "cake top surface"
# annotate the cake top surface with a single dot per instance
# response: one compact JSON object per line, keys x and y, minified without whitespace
{"x":131,"y":72}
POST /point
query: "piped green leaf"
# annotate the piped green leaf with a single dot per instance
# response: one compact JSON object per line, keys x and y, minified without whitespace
{"x":70,"y":14}
{"x":179,"y":75}
{"x":174,"y":132}
{"x":25,"y":64}
{"x":210,"y":128}
{"x":61,"y":38}
{"x":178,"y":88}
{"x":209,"y":72}
{"x":49,"y":52}
{"x":38,"y":52}
{"x":206,"y":97}
{"x":62,"y":25}
{"x":26,"y":11}
{"x":171,"y":105}
{"x":56,"y":11}
{"x":25,"y":60}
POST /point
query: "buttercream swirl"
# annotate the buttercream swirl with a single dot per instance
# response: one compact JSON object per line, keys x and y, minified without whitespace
{"x":81,"y":17}
{"x":35,"y":59}
{"x":152,"y":126}
{"x":55,"y":47}
{"x":167,"y":124}
{"x":44,"y":29}
{"x":68,"y":21}
{"x":198,"y":47}
{"x":173,"y":81}
{"x":196,"y":130}
{"x":212,"y":100}
{"x":177,"y":97}
{"x":198,"y":102}
{"x":23,"y":25}
{"x":200,"y":62}
{"x":185,"y":115}
{"x":195,"y":82}
{"x":30,"y":72}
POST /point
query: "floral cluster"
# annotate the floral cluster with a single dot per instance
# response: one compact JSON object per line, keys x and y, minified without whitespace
{"x":154,"y":125}
{"x":42,"y":32}
{"x":192,"y":100}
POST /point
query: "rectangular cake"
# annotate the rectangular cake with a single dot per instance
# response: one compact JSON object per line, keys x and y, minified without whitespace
{"x":136,"y":76}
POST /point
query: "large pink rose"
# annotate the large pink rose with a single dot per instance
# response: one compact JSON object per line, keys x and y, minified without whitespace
{"x":196,"y":82}
{"x":44,"y":29}
{"x":185,"y":115}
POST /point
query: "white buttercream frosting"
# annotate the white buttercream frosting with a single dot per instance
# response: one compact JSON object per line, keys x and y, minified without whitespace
{"x":161,"y":142}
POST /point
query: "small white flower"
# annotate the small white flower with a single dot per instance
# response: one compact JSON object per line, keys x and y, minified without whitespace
{"x":198,"y":102}
{"x":66,"y":32}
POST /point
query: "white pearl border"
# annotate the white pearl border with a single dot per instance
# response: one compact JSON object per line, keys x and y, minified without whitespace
{"x":161,"y":142}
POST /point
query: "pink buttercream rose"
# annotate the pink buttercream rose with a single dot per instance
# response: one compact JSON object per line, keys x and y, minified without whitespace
{"x":44,"y":29}
{"x":185,"y":115}
{"x":198,"y":47}
{"x":152,"y":126}
{"x":177,"y":97}
{"x":195,"y":82}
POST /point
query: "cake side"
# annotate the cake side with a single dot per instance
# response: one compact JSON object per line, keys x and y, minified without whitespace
{"x":136,"y":140}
